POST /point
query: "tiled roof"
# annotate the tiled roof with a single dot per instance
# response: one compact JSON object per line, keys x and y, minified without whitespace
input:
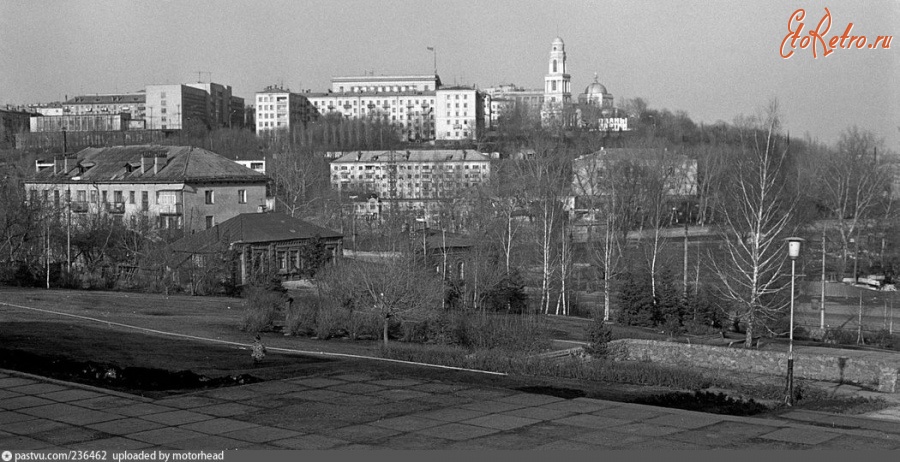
{"x":122,"y":164}
{"x":437,"y":155}
{"x":253,"y":228}
{"x":108,"y":99}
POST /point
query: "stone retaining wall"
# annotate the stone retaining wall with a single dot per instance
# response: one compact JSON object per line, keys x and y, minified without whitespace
{"x":869,"y":372}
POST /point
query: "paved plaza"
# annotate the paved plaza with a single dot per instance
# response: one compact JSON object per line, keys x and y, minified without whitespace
{"x":364,"y":411}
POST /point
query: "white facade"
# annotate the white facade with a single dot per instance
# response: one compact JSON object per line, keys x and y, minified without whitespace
{"x":411,"y":174}
{"x":174,"y":107}
{"x":557,"y":83}
{"x":385,"y":83}
{"x":278,"y":108}
{"x":413,"y":111}
{"x":459,"y":114}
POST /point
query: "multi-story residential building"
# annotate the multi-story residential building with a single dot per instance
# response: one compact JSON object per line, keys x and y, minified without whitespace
{"x":218,"y":102}
{"x":280,"y":109}
{"x":411,"y":177}
{"x":45,"y":109}
{"x":236,"y":112}
{"x":174,"y":186}
{"x":460,"y":113}
{"x":81,"y":123}
{"x":405,"y":101}
{"x":174,"y":107}
{"x":133,"y":104}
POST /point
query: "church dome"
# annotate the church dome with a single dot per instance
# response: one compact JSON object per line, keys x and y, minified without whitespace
{"x":595,"y":88}
{"x":558,"y":44}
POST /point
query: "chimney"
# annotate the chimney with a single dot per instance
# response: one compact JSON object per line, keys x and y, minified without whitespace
{"x":155,"y":165}
{"x":54,"y":166}
{"x":65,"y":164}
{"x":143,"y":164}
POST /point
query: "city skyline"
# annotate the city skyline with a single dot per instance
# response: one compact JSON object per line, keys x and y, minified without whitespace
{"x":712,"y":61}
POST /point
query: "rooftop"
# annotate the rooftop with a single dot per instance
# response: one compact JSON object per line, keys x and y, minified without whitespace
{"x":109,"y":98}
{"x":122,"y":164}
{"x":251,"y":228}
{"x":437,"y":155}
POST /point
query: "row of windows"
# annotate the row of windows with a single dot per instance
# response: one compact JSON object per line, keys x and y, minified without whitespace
{"x":411,"y":167}
{"x":367,"y":102}
{"x":361,"y":89}
{"x":118,"y":196}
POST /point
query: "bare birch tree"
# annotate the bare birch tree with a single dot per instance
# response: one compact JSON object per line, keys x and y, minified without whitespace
{"x":756,"y":216}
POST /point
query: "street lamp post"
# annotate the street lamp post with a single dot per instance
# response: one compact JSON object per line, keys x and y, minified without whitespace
{"x":794,"y":244}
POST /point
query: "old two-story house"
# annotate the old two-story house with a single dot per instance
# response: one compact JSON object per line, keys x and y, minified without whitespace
{"x":175,"y":187}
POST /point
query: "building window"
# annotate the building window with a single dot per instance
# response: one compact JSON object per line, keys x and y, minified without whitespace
{"x":210,"y":221}
{"x":94,"y":195}
{"x":131,"y":197}
{"x":210,"y":198}
{"x":242,"y":196}
{"x":117,"y":197}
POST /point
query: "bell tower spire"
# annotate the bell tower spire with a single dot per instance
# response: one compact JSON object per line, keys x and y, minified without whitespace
{"x":557,"y":82}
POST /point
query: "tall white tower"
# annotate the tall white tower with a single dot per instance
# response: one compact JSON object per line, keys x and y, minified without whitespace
{"x":557,"y":83}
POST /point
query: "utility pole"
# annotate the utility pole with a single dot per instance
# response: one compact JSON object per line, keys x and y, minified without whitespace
{"x":822,"y":306}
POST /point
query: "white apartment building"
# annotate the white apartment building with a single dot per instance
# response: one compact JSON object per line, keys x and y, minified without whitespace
{"x":459,"y":113}
{"x":130,"y":103}
{"x":280,"y":109}
{"x":412,"y":112}
{"x":411,"y":174}
{"x":176,"y":106}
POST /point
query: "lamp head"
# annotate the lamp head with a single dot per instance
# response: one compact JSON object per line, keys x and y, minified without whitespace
{"x":794,"y":245}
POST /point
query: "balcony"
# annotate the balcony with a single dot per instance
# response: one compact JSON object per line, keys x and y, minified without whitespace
{"x":171,"y":209}
{"x":115,"y":207}
{"x":79,"y":206}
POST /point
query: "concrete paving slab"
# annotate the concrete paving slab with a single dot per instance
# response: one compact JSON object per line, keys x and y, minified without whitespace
{"x":70,"y":394}
{"x":187,"y":402}
{"x":309,"y":442}
{"x":218,"y":426}
{"x":416,"y":441}
{"x":354,"y":377}
{"x":125,"y":426}
{"x":116,"y":443}
{"x":407,"y":423}
{"x":842,"y":421}
{"x":327,"y":396}
{"x":23,"y":402}
{"x":567,"y":445}
{"x":609,"y":439}
{"x":363,"y":400}
{"x":104,"y":402}
{"x":363,"y":433}
{"x":165,"y":436}
{"x":51,"y":411}
{"x":272,"y":402}
{"x":9,"y":382}
{"x":212,"y":442}
{"x":583,"y":407}
{"x":629,"y":414}
{"x":500,"y":421}
{"x":31,"y":426}
{"x":847,"y":442}
{"x":590,"y":421}
{"x":261,"y":434}
{"x":529,"y":399}
{"x":88,"y":416}
{"x":457,"y":431}
{"x":799,"y":435}
{"x":70,"y":435}
{"x":357,"y":388}
{"x":436,"y":387}
{"x":37,"y":388}
{"x":451,"y":414}
{"x":6,"y":394}
{"x":226,"y":409}
{"x":175,"y":418}
{"x":655,"y":444}
{"x":276,"y":387}
{"x":397,"y":383}
{"x":539,"y":413}
{"x":395,"y":394}
{"x":317,"y":382}
{"x":492,"y":406}
{"x":482,"y":394}
{"x":20,"y":443}
{"x":684,"y":421}
{"x":7,"y":417}
{"x":646,"y":429}
{"x":140,"y":409}
{"x":233,"y":393}
{"x":443,"y":400}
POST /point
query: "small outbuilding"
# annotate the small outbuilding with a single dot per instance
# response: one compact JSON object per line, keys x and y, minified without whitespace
{"x":258,"y":243}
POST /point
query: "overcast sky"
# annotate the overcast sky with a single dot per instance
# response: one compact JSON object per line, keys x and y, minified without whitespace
{"x":712,"y":59}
